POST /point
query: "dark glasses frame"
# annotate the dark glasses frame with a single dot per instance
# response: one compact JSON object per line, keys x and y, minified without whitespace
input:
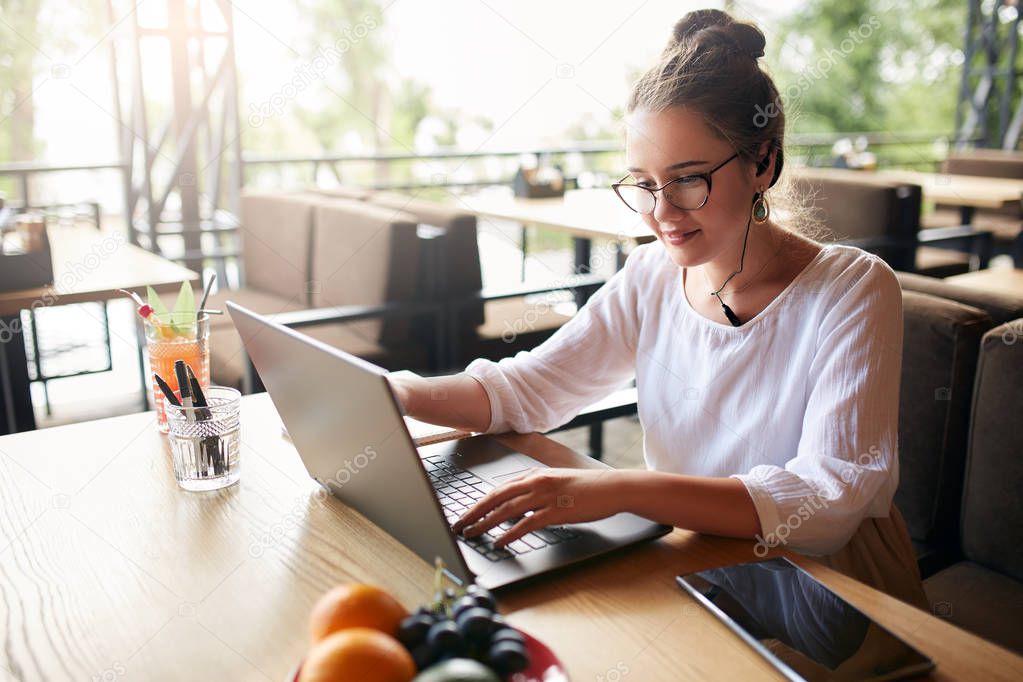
{"x":706,"y":177}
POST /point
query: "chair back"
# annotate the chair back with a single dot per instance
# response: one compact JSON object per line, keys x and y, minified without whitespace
{"x":940,"y":343}
{"x":992,"y":520}
{"x":365,"y":255}
{"x":459,"y":259}
{"x":855,"y":206}
{"x":276,"y":243}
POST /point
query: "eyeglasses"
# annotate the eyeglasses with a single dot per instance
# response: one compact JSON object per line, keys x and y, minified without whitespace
{"x":688,"y":192}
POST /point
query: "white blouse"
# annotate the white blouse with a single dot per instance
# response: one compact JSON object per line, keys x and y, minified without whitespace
{"x":800,"y":403}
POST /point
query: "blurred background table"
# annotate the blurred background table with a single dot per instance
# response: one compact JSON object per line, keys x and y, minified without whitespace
{"x":88,"y":265}
{"x":968,"y":192}
{"x":585,"y":214}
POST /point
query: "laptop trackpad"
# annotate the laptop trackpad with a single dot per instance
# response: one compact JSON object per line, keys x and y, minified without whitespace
{"x":507,"y":467}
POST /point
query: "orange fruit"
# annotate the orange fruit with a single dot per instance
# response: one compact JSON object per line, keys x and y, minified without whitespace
{"x":353,"y":606}
{"x":358,"y":655}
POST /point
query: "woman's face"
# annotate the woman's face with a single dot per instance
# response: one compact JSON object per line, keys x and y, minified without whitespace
{"x":665,"y":145}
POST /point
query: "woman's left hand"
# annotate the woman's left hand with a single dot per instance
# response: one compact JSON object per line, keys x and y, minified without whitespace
{"x":554,"y":496}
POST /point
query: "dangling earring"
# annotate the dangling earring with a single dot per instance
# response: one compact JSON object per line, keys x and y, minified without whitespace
{"x":761,"y":209}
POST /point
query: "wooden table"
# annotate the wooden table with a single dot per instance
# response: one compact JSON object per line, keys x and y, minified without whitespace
{"x":968,"y":192}
{"x":1004,"y":280}
{"x":585,"y":214}
{"x":88,"y":265}
{"x":111,"y":572}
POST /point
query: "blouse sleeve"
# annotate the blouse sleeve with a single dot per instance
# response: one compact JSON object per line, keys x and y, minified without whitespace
{"x":846,"y":464}
{"x":590,"y":356}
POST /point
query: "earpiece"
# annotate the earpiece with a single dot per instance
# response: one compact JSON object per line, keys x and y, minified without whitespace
{"x":763,"y":164}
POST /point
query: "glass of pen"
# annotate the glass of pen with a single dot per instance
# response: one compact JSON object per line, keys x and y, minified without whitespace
{"x":205,"y":433}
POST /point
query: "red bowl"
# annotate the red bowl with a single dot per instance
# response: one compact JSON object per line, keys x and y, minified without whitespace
{"x":544,"y":666}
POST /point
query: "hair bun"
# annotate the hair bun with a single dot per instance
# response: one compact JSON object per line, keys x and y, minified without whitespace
{"x":748,"y":38}
{"x":708,"y":28}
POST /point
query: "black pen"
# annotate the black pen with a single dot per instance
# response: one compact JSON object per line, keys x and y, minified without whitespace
{"x":187,"y":406}
{"x":210,"y":445}
{"x":166,"y":390}
{"x":185,"y":389}
{"x":198,"y":399}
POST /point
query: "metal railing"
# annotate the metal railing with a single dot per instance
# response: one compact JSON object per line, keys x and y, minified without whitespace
{"x":920,"y":150}
{"x":23,"y":173}
{"x":917,"y":149}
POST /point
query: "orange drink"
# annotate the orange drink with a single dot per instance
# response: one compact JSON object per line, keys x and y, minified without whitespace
{"x":171,"y":337}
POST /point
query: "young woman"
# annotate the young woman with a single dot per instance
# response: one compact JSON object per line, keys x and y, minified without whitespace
{"x":767,"y":364}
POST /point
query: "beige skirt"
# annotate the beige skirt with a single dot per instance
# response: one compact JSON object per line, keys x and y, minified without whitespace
{"x":881,"y":555}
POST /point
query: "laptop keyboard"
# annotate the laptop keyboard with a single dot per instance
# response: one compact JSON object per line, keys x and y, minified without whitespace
{"x":458,"y":489}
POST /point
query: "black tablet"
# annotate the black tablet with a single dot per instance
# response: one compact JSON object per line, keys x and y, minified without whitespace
{"x":800,"y":626}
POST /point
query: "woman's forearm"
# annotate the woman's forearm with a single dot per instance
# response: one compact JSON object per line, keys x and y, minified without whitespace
{"x":719,"y":506}
{"x":455,"y":400}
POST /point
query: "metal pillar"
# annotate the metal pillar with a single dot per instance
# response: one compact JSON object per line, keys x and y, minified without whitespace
{"x":988,"y":89}
{"x":183,"y":178}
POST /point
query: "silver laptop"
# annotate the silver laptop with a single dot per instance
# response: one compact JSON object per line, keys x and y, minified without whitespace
{"x":345,"y":423}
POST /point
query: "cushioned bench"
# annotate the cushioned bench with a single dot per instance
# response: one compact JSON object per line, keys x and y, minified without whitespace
{"x":302,"y":251}
{"x":1001,"y":307}
{"x":941,"y":339}
{"x":984,"y":592}
{"x":485,"y":325}
{"x":883,"y":216}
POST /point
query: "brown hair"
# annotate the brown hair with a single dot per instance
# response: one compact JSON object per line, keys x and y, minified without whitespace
{"x":710,"y":67}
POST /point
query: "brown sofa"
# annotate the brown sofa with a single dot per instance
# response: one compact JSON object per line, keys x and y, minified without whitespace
{"x":941,"y":339}
{"x":489,"y":324}
{"x":883,"y":216}
{"x":944,"y":325}
{"x":984,"y":591}
{"x":391,"y":278}
{"x":302,"y":251}
{"x":862,"y":209}
{"x":1000,"y":306}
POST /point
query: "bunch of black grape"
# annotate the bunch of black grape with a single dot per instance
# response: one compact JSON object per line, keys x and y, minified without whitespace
{"x":464,"y":626}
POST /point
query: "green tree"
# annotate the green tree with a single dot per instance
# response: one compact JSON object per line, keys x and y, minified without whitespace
{"x":411,"y":104}
{"x":19,"y":38}
{"x":37,"y":37}
{"x":356,"y":93}
{"x":870,"y":65}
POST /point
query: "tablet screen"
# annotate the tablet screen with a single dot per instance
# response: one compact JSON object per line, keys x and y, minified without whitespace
{"x":807,"y":631}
